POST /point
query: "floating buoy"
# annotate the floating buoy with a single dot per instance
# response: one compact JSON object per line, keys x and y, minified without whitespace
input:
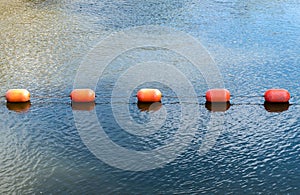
{"x":18,"y":107}
{"x":83,"y":106}
{"x":82,"y":95}
{"x":217,"y":106}
{"x":277,"y":95}
{"x":17,"y":95}
{"x":149,"y":95}
{"x":217,"y":95}
{"x":276,"y":107}
{"x":149,"y":107}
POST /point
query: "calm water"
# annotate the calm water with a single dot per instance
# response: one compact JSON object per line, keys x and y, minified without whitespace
{"x":255,"y":45}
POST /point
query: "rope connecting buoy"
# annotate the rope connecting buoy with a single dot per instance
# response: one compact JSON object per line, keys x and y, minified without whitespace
{"x":149,"y":95}
{"x":217,"y":100}
{"x":17,"y":95}
{"x":83,"y":95}
{"x":217,"y":95}
{"x":277,"y":96}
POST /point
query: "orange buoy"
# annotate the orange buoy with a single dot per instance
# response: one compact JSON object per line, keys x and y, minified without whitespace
{"x":217,"y":95}
{"x":277,"y":95}
{"x":149,"y":95}
{"x":82,"y":95}
{"x":17,"y":95}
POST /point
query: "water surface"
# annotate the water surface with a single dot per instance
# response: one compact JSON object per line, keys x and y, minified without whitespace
{"x":255,"y":45}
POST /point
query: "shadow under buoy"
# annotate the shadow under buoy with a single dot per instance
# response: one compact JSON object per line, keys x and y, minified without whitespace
{"x":217,"y":106}
{"x":276,"y":107}
{"x":18,"y":107}
{"x":149,"y":107}
{"x":83,"y":106}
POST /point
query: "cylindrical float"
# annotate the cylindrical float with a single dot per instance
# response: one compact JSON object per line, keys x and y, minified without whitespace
{"x":217,"y":95}
{"x":149,"y":95}
{"x":277,"y":96}
{"x":83,"y":95}
{"x":17,"y":95}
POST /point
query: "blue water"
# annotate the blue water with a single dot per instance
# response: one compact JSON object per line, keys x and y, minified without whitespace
{"x":255,"y":45}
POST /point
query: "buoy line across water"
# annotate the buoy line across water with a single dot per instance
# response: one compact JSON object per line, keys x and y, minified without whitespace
{"x":217,"y":100}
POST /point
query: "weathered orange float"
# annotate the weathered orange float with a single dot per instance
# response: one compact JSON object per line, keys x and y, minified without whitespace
{"x":277,"y":96}
{"x":149,"y":95}
{"x":217,"y":95}
{"x":83,"y":95}
{"x":17,"y":95}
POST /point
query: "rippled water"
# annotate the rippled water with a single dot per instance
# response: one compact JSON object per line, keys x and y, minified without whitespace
{"x":255,"y":45}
